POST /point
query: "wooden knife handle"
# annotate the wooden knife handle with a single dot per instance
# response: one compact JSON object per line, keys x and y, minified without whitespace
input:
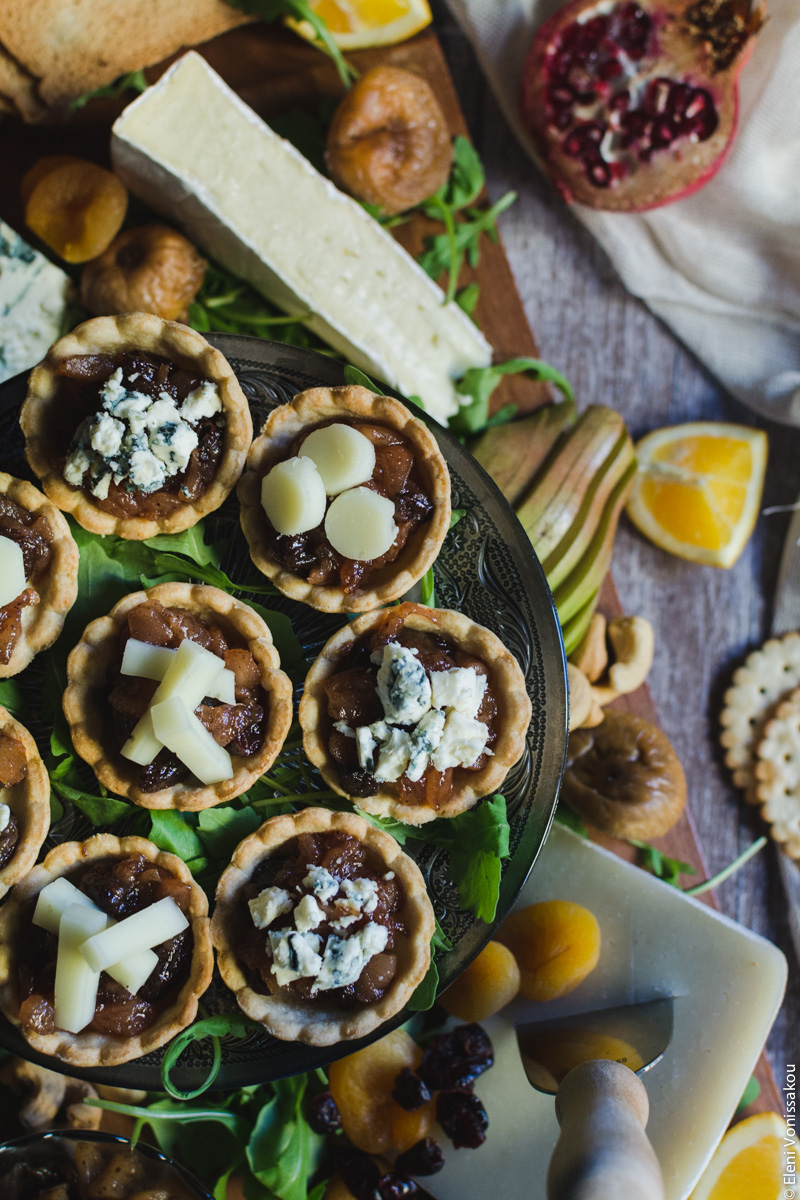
{"x":603,"y":1152}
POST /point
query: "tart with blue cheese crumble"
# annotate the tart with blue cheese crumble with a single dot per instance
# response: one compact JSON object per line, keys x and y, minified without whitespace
{"x":345,"y":500}
{"x":24,"y":801}
{"x":414,"y":712}
{"x":322,"y":926}
{"x":135,"y":425}
{"x":176,"y":699}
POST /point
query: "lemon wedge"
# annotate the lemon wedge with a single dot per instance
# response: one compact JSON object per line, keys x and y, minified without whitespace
{"x":698,"y":489}
{"x":357,"y":24}
{"x":750,"y":1161}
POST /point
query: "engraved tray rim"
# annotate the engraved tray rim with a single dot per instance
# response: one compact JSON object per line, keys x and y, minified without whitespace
{"x":541,"y":783}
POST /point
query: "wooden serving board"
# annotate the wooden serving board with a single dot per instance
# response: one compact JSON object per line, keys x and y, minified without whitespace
{"x":274,"y":72}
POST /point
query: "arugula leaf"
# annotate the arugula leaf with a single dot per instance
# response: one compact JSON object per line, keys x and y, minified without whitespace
{"x":134,"y":81}
{"x":283,"y":1151}
{"x":270,"y":10}
{"x":228,"y":305}
{"x":357,"y":378}
{"x":468,"y":297}
{"x":461,"y":238}
{"x":101,"y":810}
{"x":567,"y":817}
{"x":172,"y":831}
{"x":285,"y":640}
{"x":221,"y":829}
{"x":222,"y":1025}
{"x":424,"y":996}
{"x":480,"y":382}
{"x":427,"y":589}
{"x":11,"y":698}
{"x":661,"y":865}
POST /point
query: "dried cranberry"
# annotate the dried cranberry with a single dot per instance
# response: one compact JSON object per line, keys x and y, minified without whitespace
{"x":357,"y":782}
{"x":463,"y":1118}
{"x":456,"y":1058}
{"x":165,"y":770}
{"x":360,"y":1175}
{"x":410,"y":1091}
{"x":394,"y":1186}
{"x":424,"y":1158}
{"x":323,"y":1114}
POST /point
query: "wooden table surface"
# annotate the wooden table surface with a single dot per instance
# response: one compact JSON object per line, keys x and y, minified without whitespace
{"x":614,"y":351}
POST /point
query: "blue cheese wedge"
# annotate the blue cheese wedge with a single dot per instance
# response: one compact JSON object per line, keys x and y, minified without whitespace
{"x":255,"y":204}
{"x":35,"y":298}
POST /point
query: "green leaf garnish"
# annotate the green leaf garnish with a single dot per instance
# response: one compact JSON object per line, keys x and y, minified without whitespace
{"x":223,"y":1025}
{"x":669,"y":870}
{"x":282,"y":1150}
{"x":424,"y":996}
{"x":726,"y":872}
{"x":134,"y":81}
{"x":427,"y":589}
{"x":480,"y":382}
{"x":270,"y":10}
{"x":356,"y":378}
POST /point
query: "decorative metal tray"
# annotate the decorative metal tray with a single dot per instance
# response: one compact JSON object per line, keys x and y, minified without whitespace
{"x":486,"y":569}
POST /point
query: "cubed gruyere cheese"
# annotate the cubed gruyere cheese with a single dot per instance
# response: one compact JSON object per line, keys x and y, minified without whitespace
{"x":195,"y":152}
{"x":142,"y":931}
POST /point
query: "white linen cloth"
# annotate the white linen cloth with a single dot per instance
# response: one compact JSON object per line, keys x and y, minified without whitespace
{"x":721,"y":267}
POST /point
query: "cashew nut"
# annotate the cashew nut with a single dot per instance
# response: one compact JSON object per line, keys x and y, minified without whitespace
{"x":633,"y":643}
{"x":591,"y":657}
{"x":78,"y":1114}
{"x":42,"y":1091}
{"x":596,"y":715}
{"x":580,"y":696}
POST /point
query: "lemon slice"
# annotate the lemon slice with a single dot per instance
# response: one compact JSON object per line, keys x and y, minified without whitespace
{"x":357,"y":24}
{"x":750,"y":1161}
{"x":698,"y":489}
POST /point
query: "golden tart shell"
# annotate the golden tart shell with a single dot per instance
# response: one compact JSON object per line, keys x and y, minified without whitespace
{"x":58,"y":587}
{"x":505,"y":680}
{"x":96,"y":654}
{"x":89,"y":1048}
{"x":353,"y":403}
{"x":29,"y":801}
{"x":152,"y":335}
{"x":314,"y":1022}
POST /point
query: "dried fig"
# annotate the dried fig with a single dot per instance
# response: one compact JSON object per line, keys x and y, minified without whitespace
{"x":388,"y":142}
{"x":624,"y":778}
{"x":149,"y":269}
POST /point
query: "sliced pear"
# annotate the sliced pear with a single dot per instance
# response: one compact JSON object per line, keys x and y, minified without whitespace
{"x":342,"y":455}
{"x":76,"y":981}
{"x":293,"y":496}
{"x":12,"y":571}
{"x":513,"y":453}
{"x":360,"y":524}
{"x":142,"y":931}
{"x":179,"y":730}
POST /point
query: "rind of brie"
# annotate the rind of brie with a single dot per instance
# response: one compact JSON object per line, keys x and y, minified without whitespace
{"x":12,"y":571}
{"x":360,"y":524}
{"x":368,"y":298}
{"x":293,"y":496}
{"x":343,"y":456}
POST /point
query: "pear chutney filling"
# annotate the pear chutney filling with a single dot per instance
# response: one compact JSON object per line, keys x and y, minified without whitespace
{"x":353,"y":494}
{"x":319,"y":919}
{"x":31,"y":540}
{"x":150,"y":433}
{"x":409,"y":708}
{"x":13,"y":769}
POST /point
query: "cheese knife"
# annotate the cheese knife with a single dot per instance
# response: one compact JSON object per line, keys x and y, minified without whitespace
{"x":786,"y":617}
{"x":602,"y":1106}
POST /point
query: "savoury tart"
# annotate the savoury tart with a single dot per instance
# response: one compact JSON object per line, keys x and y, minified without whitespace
{"x":103,"y":707}
{"x":34,"y":620}
{"x":26,"y":797}
{"x":381,"y":891}
{"x":409,"y":471}
{"x":414,"y":712}
{"x":135,"y":425}
{"x":118,"y":875}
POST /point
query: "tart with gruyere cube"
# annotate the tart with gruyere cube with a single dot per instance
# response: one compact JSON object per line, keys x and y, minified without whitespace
{"x":38,"y":573}
{"x":24,"y":801}
{"x":414,"y":712}
{"x":322,"y":926}
{"x":176,"y":699}
{"x":345,"y":501}
{"x":135,"y":425}
{"x":105,"y":949}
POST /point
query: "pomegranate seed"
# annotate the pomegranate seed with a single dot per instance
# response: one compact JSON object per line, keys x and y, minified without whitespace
{"x":631,"y":29}
{"x":678,"y":99}
{"x":636,"y":123}
{"x":597,"y":27}
{"x":562,"y":119}
{"x":700,"y":118}
{"x":598,"y":172}
{"x":583,"y":140}
{"x":657,"y":95}
{"x":620,"y":102}
{"x":560,"y":95}
{"x":609,"y":69}
{"x":664,"y":134}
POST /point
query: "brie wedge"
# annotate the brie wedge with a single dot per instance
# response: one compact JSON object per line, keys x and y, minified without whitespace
{"x":257,"y":205}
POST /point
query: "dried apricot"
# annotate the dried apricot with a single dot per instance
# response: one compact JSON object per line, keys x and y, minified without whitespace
{"x":361,"y":1085}
{"x":490,"y":982}
{"x":77,"y":210}
{"x":556,"y":944}
{"x":557,"y":1053}
{"x":337,"y":1189}
{"x":40,"y":168}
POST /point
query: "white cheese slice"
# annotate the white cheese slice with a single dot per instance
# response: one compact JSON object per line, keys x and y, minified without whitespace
{"x":152,"y":662}
{"x":192,"y":674}
{"x":76,"y":981}
{"x":34,"y":302}
{"x":142,"y":931}
{"x":133,"y":970}
{"x":177,"y":728}
{"x":12,"y":571}
{"x":342,"y":455}
{"x":5,"y":815}
{"x":293,"y":496}
{"x":256,"y":205}
{"x":360,"y":524}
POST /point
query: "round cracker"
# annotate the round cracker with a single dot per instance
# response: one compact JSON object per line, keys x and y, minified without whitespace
{"x":777,"y":774}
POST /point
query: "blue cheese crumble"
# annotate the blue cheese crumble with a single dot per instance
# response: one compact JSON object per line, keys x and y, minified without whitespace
{"x":403,"y":687}
{"x":268,"y":905}
{"x":294,"y":955}
{"x":138,"y":441}
{"x":345,"y":958}
{"x":322,"y":884}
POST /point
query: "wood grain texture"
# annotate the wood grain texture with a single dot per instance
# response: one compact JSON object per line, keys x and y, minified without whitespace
{"x":614,"y":351}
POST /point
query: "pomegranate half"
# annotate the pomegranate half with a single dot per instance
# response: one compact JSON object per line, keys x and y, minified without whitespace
{"x":634,"y":104}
